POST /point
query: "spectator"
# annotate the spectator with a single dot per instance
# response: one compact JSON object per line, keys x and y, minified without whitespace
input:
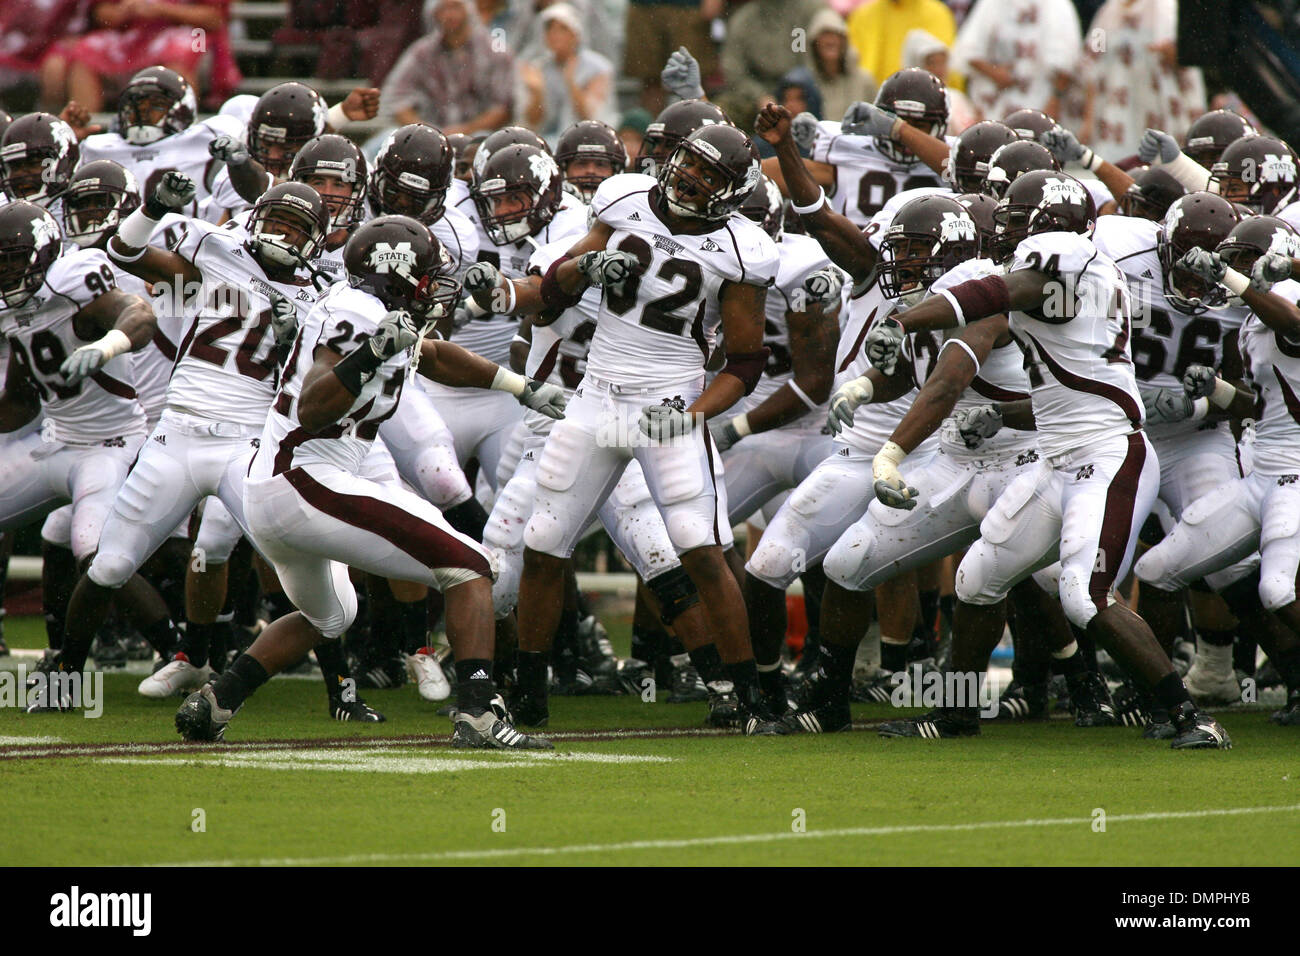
{"x":1133,"y":80}
{"x":631,"y":130}
{"x":602,"y":22}
{"x":28,"y":28}
{"x":454,"y":78}
{"x":134,"y":34}
{"x":834,"y":65}
{"x":765,"y":41}
{"x":569,"y":82}
{"x":927,"y":52}
{"x":1018,"y":54}
{"x":655,"y":29}
{"x":878,"y":27}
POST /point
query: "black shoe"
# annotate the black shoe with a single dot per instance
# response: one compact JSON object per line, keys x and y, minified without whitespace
{"x":109,"y":652}
{"x":596,"y":653}
{"x":756,"y":719}
{"x":386,"y":674}
{"x":529,"y":710}
{"x":1090,"y":701}
{"x":45,"y":701}
{"x":571,"y":678}
{"x":724,"y":704}
{"x":1160,"y":725}
{"x":51,"y":662}
{"x":1023,"y":702}
{"x":687,"y":686}
{"x":354,"y":711}
{"x":829,"y":717}
{"x":776,"y":691}
{"x":1058,"y":688}
{"x":1267,"y":676}
{"x":1130,"y":708}
{"x":1197,"y":730}
{"x":932,"y":726}
{"x":201,"y":718}
{"x":1288,"y":716}
{"x":633,"y":674}
{"x":876,"y":689}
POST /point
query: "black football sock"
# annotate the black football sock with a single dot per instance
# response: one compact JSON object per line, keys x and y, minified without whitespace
{"x":221,"y":638}
{"x":196,"y":642}
{"x":708,"y":663}
{"x":947,"y":604}
{"x":927,"y":623}
{"x":333,"y":667}
{"x":474,"y":686}
{"x":240,"y":680}
{"x":468,"y":518}
{"x":837,"y":668}
{"x":163,"y":636}
{"x":1169,"y":692}
{"x":532,"y":669}
{"x":413,"y":620}
{"x":278,"y":605}
{"x":1087,"y":647}
{"x":1288,"y":667}
{"x":893,"y":657}
{"x":1072,"y":667}
{"x":1244,"y":650}
{"x":58,"y":577}
{"x":744,"y":675}
{"x":566,"y":635}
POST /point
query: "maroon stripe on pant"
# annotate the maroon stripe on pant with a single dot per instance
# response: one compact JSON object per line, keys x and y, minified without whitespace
{"x":112,"y":385}
{"x":993,"y":392}
{"x":427,"y":543}
{"x":1126,"y":402}
{"x":1117,"y":520}
{"x":708,"y":452}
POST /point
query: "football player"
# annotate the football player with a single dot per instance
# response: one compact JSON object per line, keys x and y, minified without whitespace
{"x":589,"y":152}
{"x":312,"y":514}
{"x":1087,"y":497}
{"x":673,"y":124}
{"x":38,"y":154}
{"x":1213,"y":132}
{"x":1257,"y":511}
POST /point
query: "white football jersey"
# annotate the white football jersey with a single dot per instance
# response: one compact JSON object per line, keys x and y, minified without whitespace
{"x":867,"y":308}
{"x":1080,"y":370}
{"x":41,"y":334}
{"x":226,"y":367}
{"x":558,"y":351}
{"x":658,"y":329}
{"x":490,"y":335}
{"x":1165,"y":341}
{"x":1291,"y":215}
{"x":185,"y":152}
{"x":800,"y":256}
{"x":153,"y":364}
{"x":880,"y":222}
{"x":1273,"y":364}
{"x":1001,"y":376}
{"x":343,"y":319}
{"x":865,"y":178}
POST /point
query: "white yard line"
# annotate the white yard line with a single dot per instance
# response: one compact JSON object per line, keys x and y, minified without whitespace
{"x":452,"y":856}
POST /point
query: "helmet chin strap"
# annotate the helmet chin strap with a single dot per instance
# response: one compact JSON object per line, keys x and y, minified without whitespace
{"x":143,"y":135}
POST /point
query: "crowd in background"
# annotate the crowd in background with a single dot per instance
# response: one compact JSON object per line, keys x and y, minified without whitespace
{"x":1107,"y":69}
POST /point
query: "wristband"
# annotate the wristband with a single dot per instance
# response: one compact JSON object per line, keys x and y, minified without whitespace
{"x":356,"y":368}
{"x":962,"y":345}
{"x":1223,"y":394}
{"x":336,"y":117}
{"x":1200,"y":408}
{"x":1193,"y":176}
{"x":812,"y":207}
{"x":1235,"y":282}
{"x":135,"y":231}
{"x":741,"y":424}
{"x":890,"y":452}
{"x":1090,"y":160}
{"x":803,"y":396}
{"x":510,"y":305}
{"x":895,"y":130}
{"x":113,"y":344}
{"x":508,"y":381}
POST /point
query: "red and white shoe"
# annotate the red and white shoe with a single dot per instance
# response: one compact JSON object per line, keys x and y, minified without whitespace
{"x":424,"y":669}
{"x":177,"y":677}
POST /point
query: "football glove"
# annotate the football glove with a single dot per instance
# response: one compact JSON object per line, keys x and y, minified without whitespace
{"x":1062,"y":144}
{"x":891,"y":490}
{"x":803,"y":130}
{"x":976,"y":424}
{"x":883,"y":344}
{"x":1157,"y":144}
{"x":175,"y":190}
{"x":284,"y":318}
{"x":1199,"y":381}
{"x":1269,"y":268}
{"x":867,"y":119}
{"x":681,"y":75}
{"x":545,"y":398}
{"x":823,"y":286}
{"x":845,"y":401}
{"x":89,"y":359}
{"x":661,"y":422}
{"x":1204,"y":264}
{"x":481,"y":277}
{"x":725,"y":434}
{"x":1164,"y":405}
{"x":229,"y":150}
{"x":396,"y":333}
{"x":608,"y":269}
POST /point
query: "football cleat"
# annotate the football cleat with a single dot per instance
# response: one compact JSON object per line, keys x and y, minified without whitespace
{"x":483,"y":729}
{"x":1266,"y":676}
{"x":354,"y":711}
{"x":826,"y":718}
{"x":1090,"y":701}
{"x":687,"y":686}
{"x":725,"y":709}
{"x":1059,"y":689}
{"x":1160,"y":725}
{"x":1023,"y":702}
{"x":430,"y":682}
{"x":1129,"y":707}
{"x":932,"y":726}
{"x":176,"y":677}
{"x":876,"y":689}
{"x":1197,"y":730}
{"x":41,"y":699}
{"x":1288,"y":716}
{"x":776,"y":691}
{"x":382,"y":675}
{"x":51,"y":661}
{"x":201,"y":718}
{"x":633,"y":674}
{"x":597,"y":653}
{"x":109,"y":652}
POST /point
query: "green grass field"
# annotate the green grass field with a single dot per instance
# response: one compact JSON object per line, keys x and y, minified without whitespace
{"x":292,"y":786}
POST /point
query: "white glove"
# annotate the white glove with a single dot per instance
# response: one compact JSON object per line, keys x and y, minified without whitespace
{"x":681,"y":75}
{"x":725,"y":434}
{"x":284,"y":318}
{"x":890,"y":488}
{"x":545,"y":398}
{"x":661,"y":422}
{"x":608,"y":269}
{"x":867,"y":119}
{"x":1157,"y":144}
{"x":1062,"y":144}
{"x":1269,"y":268}
{"x":803,"y":130}
{"x":883,"y":344}
{"x":174,"y":191}
{"x":1204,"y":264}
{"x":229,"y":150}
{"x":481,"y":277}
{"x":397,"y":332}
{"x":823,"y":286}
{"x":978,"y":423}
{"x":845,"y":401}
{"x":89,"y":359}
{"x":1165,"y":405}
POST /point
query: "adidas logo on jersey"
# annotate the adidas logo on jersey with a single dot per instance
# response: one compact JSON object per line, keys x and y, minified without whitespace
{"x":635,"y":217}
{"x":844,"y":452}
{"x":160,"y":439}
{"x":1146,"y":274}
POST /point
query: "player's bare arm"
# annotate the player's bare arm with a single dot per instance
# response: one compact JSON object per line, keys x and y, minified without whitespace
{"x":19,"y":400}
{"x":130,"y":248}
{"x":742,"y":329}
{"x":844,"y":242}
{"x":980,"y":298}
{"x":952,"y":374}
{"x":814,"y":337}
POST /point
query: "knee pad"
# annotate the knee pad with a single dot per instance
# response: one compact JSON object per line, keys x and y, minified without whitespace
{"x":110,"y":570}
{"x":848,"y":557}
{"x":57,"y":529}
{"x":690,"y":527}
{"x":971,"y":581}
{"x":1075,"y":597}
{"x":336,"y":624}
{"x":505,"y":590}
{"x":1276,"y":590}
{"x":562,"y":458}
{"x":510,"y":513}
{"x":777,"y":562}
{"x":440,"y":477}
{"x":545,"y":533}
{"x":676,"y":593}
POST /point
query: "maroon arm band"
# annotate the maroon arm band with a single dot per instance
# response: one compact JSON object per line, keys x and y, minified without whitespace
{"x":747,"y":366}
{"x":555,"y":297}
{"x":980,"y":298}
